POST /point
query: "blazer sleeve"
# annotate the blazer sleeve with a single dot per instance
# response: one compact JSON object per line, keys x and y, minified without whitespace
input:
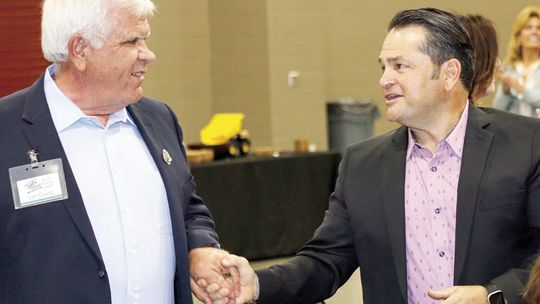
{"x":322,"y":266}
{"x":199,"y":224}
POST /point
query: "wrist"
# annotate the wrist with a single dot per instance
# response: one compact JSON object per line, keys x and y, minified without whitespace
{"x":495,"y":294}
{"x":215,"y":245}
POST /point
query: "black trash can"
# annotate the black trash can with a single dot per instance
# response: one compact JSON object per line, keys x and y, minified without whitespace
{"x":350,"y":121}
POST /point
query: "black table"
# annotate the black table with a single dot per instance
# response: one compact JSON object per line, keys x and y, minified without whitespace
{"x":267,"y":207}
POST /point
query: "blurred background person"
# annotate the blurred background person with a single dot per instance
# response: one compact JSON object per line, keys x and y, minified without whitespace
{"x":519,"y":89}
{"x":485,"y":49}
{"x":531,"y":295}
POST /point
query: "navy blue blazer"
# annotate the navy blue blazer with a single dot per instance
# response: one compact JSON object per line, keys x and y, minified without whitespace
{"x":497,"y":218}
{"x":48,"y":253}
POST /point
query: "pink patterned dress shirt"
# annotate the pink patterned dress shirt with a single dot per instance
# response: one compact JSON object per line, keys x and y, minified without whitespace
{"x":431,"y":182}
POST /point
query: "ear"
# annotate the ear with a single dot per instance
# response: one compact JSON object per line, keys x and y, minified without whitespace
{"x":451,"y":73}
{"x":78,"y":50}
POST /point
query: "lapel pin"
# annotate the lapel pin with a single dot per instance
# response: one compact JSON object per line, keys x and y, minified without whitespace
{"x":167,"y":157}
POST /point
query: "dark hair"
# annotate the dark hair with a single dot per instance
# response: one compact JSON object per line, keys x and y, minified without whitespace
{"x":446,"y":38}
{"x":485,"y":48}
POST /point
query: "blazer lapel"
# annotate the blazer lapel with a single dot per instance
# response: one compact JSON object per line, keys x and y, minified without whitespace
{"x":146,"y":128}
{"x":156,"y":146}
{"x":41,"y":134}
{"x":475,"y":152}
{"x":393,"y":200}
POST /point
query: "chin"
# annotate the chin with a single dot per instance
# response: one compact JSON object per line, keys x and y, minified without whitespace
{"x":391,"y":117}
{"x":136,"y":97}
{"x":133,"y":101}
{"x":130,"y":100}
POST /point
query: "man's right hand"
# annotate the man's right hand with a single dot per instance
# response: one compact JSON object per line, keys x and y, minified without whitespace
{"x":249,"y":282}
{"x":247,"y":286}
{"x":245,"y":281}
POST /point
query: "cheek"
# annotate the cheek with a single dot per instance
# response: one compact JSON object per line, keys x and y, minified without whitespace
{"x":122,"y":65}
{"x":411,"y":89}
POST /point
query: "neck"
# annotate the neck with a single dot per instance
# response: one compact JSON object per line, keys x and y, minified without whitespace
{"x":72,"y":86}
{"x":103,"y":118}
{"x":530,"y":56}
{"x":430,"y":136}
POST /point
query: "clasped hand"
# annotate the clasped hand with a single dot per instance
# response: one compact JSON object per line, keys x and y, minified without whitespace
{"x":218,"y":277}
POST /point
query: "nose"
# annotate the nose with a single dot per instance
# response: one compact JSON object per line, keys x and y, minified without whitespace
{"x":145,"y":54}
{"x":386,"y":80}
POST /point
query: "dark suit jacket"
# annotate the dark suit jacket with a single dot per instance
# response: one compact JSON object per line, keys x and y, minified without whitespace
{"x":48,"y":253}
{"x":498,"y":216}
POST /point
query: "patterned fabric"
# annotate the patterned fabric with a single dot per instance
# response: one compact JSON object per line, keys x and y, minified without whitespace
{"x":431,"y":181}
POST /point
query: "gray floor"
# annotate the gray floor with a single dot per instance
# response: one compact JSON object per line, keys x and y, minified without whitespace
{"x":351,"y":292}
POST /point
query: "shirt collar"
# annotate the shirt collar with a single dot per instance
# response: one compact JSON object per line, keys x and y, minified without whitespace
{"x":65,"y":113}
{"x":454,"y":140}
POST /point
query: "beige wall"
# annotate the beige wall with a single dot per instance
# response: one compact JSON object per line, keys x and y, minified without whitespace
{"x":234,"y":55}
{"x":181,"y":76}
{"x":239,"y":63}
{"x":297,"y":43}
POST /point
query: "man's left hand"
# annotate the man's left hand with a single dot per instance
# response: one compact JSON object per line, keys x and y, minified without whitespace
{"x":473,"y":294}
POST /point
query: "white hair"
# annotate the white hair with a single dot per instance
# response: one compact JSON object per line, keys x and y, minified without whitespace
{"x":91,"y":19}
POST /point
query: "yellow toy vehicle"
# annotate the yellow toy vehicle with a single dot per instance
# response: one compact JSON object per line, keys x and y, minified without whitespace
{"x":224,"y":134}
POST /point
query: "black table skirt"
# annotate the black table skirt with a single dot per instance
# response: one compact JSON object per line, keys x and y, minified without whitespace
{"x":267,"y":207}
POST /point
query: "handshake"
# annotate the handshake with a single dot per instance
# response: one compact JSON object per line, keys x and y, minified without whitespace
{"x":218,"y":277}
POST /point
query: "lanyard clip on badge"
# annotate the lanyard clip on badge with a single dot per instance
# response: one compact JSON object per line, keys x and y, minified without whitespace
{"x":32,"y":154}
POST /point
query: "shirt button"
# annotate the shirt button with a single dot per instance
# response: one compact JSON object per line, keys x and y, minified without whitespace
{"x":101,"y":273}
{"x":437,"y":210}
{"x":434,"y":169}
{"x":441,"y":254}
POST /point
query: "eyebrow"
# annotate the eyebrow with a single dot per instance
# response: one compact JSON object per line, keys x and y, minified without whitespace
{"x":391,"y":59}
{"x":139,"y":36}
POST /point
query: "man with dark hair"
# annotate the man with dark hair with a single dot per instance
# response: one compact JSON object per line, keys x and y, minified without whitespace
{"x":445,"y":38}
{"x":432,"y":211}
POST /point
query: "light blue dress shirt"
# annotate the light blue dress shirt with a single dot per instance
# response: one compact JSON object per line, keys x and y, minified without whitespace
{"x":124,"y":196}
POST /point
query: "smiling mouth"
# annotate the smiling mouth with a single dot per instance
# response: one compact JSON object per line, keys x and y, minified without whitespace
{"x":390,"y":97}
{"x":138,"y":75}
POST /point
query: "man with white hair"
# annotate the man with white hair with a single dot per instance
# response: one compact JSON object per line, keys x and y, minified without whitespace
{"x":97,"y":203}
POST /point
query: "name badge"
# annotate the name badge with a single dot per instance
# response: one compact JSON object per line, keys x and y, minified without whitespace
{"x":38,"y":183}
